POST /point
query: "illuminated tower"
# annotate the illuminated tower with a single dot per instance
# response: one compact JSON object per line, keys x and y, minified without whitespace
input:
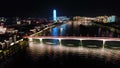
{"x":54,"y":15}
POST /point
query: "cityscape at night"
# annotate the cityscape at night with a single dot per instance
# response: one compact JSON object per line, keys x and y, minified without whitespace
{"x":59,"y":33}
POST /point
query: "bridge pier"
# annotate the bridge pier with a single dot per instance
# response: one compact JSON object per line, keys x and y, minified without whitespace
{"x":81,"y":47}
{"x":30,"y":39}
{"x":60,"y":43}
{"x":41,"y":42}
{"x":81,"y":42}
{"x":103,"y":44}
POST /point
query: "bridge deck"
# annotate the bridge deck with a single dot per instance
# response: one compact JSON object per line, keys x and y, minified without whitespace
{"x":74,"y":37}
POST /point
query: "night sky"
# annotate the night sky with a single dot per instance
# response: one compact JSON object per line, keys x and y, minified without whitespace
{"x":44,"y":8}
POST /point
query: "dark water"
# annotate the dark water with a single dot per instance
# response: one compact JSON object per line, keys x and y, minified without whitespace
{"x":37,"y":56}
{"x":74,"y":29}
{"x":40,"y":56}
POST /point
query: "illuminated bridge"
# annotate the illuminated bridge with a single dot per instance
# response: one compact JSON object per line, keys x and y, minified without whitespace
{"x":91,"y":42}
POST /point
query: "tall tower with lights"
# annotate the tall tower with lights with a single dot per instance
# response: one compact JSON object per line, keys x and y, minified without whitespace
{"x":54,"y":15}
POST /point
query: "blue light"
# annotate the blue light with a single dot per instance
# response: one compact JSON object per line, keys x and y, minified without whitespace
{"x":54,"y":15}
{"x":55,"y":31}
{"x":63,"y":31}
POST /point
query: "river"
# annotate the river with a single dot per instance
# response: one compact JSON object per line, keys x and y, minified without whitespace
{"x":37,"y":55}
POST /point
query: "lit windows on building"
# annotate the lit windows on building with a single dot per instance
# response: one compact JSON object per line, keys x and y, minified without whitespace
{"x":111,"y":19}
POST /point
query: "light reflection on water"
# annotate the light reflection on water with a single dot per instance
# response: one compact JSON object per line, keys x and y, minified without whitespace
{"x":35,"y":50}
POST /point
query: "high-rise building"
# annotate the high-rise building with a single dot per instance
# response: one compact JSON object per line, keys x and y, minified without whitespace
{"x":111,"y":19}
{"x":54,"y":15}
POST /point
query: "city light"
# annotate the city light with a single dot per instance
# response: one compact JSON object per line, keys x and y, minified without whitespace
{"x":113,"y":19}
{"x":2,"y":30}
{"x":54,"y":15}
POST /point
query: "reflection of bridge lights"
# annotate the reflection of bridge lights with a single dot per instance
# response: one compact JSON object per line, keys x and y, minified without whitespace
{"x":80,"y":48}
{"x":56,"y":51}
{"x":31,"y":45}
{"x":102,"y":50}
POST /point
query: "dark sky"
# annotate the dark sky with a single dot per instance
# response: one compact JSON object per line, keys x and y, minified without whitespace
{"x":63,"y":7}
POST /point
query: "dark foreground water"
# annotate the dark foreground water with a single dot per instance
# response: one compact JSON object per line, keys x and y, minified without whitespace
{"x":41,"y":56}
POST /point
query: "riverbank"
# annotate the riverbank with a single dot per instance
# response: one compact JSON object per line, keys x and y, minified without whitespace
{"x":13,"y":49}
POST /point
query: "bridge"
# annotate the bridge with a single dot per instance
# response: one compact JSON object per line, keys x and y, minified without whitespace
{"x":83,"y":40}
